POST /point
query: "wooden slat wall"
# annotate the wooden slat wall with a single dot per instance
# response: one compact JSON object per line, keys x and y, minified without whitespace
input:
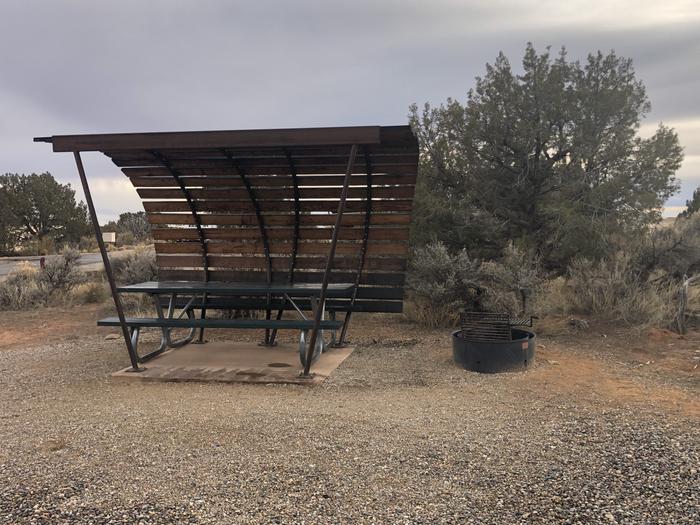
{"x":230,"y":227}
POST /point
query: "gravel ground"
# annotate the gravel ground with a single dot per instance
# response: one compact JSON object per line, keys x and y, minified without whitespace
{"x":397,"y":435}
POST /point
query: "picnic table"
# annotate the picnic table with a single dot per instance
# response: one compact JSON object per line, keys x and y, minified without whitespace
{"x":197,"y":293}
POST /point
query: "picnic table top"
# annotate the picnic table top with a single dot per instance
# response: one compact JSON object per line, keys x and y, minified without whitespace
{"x":233,"y":288}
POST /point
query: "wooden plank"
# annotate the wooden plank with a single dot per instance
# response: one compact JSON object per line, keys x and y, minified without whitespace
{"x":214,"y":166}
{"x":296,"y":152}
{"x":388,"y":285}
{"x":380,"y":219}
{"x":305,"y":248}
{"x":219,"y":139}
{"x":270,"y":163}
{"x":399,"y":192}
{"x":372,"y":264}
{"x":236,"y":233}
{"x":140,"y":177}
{"x":384,"y":248}
{"x":276,"y":206}
{"x":180,"y":247}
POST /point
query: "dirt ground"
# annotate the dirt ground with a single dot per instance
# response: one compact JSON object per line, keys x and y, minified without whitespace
{"x":603,"y":429}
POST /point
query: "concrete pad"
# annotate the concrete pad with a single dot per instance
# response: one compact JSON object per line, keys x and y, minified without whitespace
{"x":236,"y":362}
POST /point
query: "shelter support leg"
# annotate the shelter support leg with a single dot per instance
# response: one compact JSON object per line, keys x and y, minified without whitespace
{"x":331,"y":256}
{"x":200,"y":340}
{"x":344,"y":330}
{"x":133,"y":357}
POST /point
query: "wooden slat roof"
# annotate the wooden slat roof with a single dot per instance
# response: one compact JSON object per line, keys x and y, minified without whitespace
{"x":258,"y":205}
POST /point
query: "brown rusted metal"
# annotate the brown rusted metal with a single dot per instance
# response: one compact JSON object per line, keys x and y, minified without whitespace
{"x":297,"y":222}
{"x":318,"y":314}
{"x":107,"y":264}
{"x":295,"y":241}
{"x":198,"y":225}
{"x":339,"y":136}
{"x":190,"y":204}
{"x":263,"y":234}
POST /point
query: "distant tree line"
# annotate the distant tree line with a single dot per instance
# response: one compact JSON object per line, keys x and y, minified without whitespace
{"x":691,"y":206}
{"x":39,"y":215}
{"x":38,"y":210}
{"x":131,"y":227}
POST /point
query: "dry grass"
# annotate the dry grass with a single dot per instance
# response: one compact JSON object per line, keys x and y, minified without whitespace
{"x":429,"y":313}
{"x":91,"y":292}
{"x":613,"y":289}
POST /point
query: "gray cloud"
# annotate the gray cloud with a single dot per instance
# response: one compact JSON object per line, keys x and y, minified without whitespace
{"x":81,"y":66}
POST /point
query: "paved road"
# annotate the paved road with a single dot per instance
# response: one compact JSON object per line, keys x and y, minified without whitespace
{"x":87,"y":261}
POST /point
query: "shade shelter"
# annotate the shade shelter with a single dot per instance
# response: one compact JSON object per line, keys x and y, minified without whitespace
{"x":302,"y":220}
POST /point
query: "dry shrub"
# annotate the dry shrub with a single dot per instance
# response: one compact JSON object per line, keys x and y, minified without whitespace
{"x":87,"y":244}
{"x":135,"y":267}
{"x":91,"y":292}
{"x":554,"y":298}
{"x":61,"y":273}
{"x":125,"y":239}
{"x":137,"y":304}
{"x":426,"y":312}
{"x":613,"y":288}
{"x":21,"y":290}
{"x":30,"y":287}
{"x":439,"y":283}
{"x":442,"y":285}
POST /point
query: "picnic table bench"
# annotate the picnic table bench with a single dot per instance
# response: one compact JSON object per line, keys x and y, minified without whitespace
{"x":196,"y":295}
{"x":283,"y":220}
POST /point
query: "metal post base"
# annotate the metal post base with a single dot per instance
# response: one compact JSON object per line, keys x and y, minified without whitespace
{"x":136,"y":370}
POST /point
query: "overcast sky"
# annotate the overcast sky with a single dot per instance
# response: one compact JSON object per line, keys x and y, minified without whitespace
{"x":91,"y":67}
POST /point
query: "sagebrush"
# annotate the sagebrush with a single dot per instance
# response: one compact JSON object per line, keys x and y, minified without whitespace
{"x":29,"y":286}
{"x":135,"y":267}
{"x":442,"y":284}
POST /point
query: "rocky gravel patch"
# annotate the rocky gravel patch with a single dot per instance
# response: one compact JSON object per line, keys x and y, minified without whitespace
{"x":397,"y":435}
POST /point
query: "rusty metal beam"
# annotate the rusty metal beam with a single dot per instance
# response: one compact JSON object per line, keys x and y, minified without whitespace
{"x":133,"y":357}
{"x":331,"y":256}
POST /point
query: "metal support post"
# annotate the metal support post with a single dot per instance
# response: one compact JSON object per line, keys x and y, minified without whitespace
{"x":331,"y":256}
{"x":108,"y":266}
